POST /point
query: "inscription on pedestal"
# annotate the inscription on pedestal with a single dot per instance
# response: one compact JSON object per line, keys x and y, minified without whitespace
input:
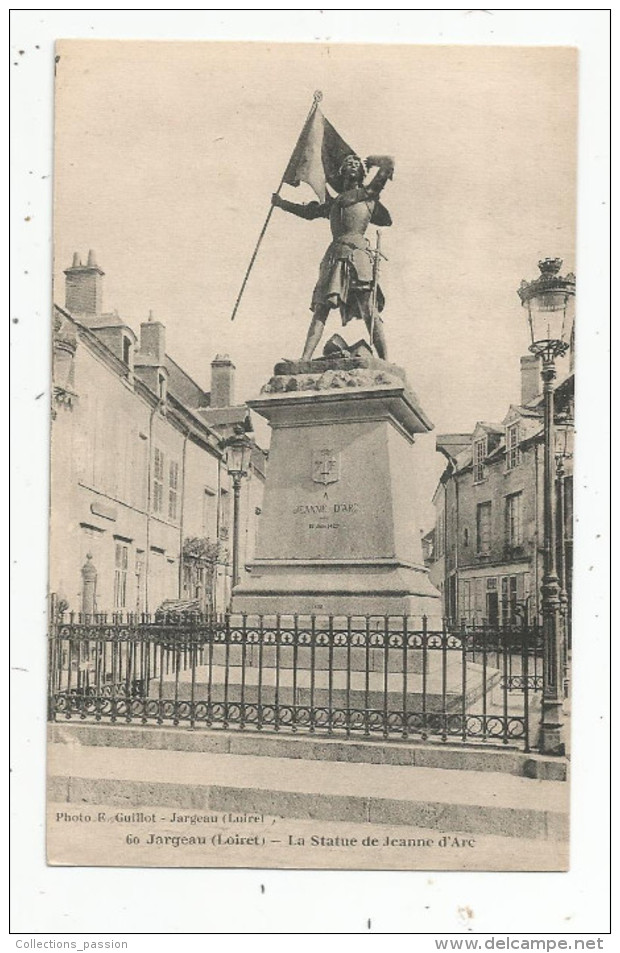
{"x":325,"y":511}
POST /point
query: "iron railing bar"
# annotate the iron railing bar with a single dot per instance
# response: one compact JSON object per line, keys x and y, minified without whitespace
{"x":348,"y":680}
{"x":505,"y":654}
{"x":424,"y":732}
{"x":209,"y":711}
{"x":405,"y":675}
{"x":444,"y":682}
{"x":160,"y":707}
{"x":526,"y":688}
{"x":312,"y":671}
{"x":386,"y":675}
{"x":177,"y":675}
{"x":244,"y":636}
{"x":226,"y":671}
{"x":277,"y":685}
{"x":295,"y":656}
{"x":484,"y":680}
{"x":259,"y":702}
{"x":330,"y":676}
{"x":367,"y":681}
{"x":193,"y":658}
{"x":464,"y":682}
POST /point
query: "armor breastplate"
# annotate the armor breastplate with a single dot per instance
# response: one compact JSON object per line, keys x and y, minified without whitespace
{"x":351,"y":213}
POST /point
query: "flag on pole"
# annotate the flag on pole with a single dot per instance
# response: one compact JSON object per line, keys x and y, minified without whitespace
{"x":318,"y":155}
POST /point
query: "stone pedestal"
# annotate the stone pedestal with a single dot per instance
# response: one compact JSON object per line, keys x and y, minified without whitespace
{"x":339,"y":533}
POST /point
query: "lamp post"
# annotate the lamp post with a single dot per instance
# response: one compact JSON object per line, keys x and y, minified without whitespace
{"x":238,"y":453}
{"x":562,"y":455}
{"x":546,"y":299}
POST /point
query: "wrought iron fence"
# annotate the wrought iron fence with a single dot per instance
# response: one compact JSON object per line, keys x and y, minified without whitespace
{"x":356,"y":676}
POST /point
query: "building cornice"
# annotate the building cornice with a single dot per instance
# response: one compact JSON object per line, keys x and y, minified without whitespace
{"x":177,"y":413}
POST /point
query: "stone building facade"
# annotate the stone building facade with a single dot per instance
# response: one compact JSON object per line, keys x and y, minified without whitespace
{"x":486,"y":550}
{"x":141,"y":500}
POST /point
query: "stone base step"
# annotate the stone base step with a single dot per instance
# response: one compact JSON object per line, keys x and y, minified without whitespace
{"x":355,"y":659}
{"x":467,"y":802}
{"x":457,"y":757}
{"x":355,"y":689}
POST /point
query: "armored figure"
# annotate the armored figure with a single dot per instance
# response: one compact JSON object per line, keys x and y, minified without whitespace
{"x":347,"y":269}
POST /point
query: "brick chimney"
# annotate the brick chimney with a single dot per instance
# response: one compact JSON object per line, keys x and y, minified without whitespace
{"x":83,"y":286}
{"x":153,"y":341}
{"x":530,"y":378}
{"x":222,"y":381}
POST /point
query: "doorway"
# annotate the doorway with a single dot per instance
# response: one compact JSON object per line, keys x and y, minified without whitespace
{"x":492,"y":608}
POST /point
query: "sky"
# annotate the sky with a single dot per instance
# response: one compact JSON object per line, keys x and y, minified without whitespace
{"x":166,"y":155}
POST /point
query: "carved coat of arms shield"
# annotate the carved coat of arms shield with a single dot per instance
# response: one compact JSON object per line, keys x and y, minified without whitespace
{"x":325,"y":466}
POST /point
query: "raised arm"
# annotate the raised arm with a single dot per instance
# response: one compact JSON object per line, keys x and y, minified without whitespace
{"x":385,"y":171}
{"x":310,"y":211}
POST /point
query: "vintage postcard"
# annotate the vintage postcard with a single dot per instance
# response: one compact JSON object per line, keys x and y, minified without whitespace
{"x":312,"y":456}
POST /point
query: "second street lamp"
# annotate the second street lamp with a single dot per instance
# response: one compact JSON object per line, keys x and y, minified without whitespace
{"x":238,"y":454}
{"x":563,"y":454}
{"x":547,"y":299}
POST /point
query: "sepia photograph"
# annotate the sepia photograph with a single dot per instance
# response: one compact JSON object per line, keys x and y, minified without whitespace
{"x":311,"y":504}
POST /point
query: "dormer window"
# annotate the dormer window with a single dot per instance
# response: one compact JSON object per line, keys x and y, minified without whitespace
{"x":512,"y":446}
{"x":126,"y":351}
{"x":480,"y":452}
{"x":162,"y":387}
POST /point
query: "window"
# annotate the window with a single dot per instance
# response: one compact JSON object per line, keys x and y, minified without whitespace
{"x":512,"y":446}
{"x":187,"y":581}
{"x":568,"y":508}
{"x":479,"y":599}
{"x":126,"y":350}
{"x":480,"y":452}
{"x":258,"y":512}
{"x":162,"y":387}
{"x":224,"y":513}
{"x":120,"y":576}
{"x":139,"y":575}
{"x":209,"y":515}
{"x":509,"y":599}
{"x":157,"y":590}
{"x":483,"y":529}
{"x":466,"y":600}
{"x":200,"y":583}
{"x":139,"y":470}
{"x":439,"y":536}
{"x":158,"y":481}
{"x":465,"y":537}
{"x":173,"y":490}
{"x":513,"y":520}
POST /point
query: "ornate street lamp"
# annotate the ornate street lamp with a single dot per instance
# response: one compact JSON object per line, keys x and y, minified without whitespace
{"x":563,"y":454}
{"x":238,"y":454}
{"x":547,"y":299}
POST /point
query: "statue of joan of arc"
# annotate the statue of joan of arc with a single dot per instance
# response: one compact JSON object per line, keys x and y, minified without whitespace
{"x":346,"y":272}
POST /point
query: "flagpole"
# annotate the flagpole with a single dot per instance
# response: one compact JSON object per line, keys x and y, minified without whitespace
{"x":316,"y":99}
